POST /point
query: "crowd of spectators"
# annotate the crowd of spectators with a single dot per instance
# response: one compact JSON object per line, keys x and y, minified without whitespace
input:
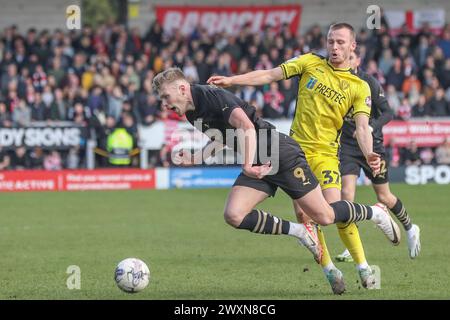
{"x":101,"y":78}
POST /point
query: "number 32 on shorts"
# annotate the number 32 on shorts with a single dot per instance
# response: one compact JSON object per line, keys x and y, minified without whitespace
{"x":330,"y":176}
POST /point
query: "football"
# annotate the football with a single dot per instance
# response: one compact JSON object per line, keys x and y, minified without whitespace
{"x":132,"y":275}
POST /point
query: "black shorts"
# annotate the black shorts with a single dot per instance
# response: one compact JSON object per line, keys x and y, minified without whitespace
{"x":352,"y":165}
{"x":293,"y":176}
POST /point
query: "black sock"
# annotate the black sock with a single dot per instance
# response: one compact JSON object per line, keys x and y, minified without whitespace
{"x":348,"y":212}
{"x":259,"y":221}
{"x":400,"y":212}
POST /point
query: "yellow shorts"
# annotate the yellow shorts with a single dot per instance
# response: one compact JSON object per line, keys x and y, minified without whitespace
{"x":325,"y":168}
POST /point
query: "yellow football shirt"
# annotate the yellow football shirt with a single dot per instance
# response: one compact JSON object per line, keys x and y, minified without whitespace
{"x":325,"y":96}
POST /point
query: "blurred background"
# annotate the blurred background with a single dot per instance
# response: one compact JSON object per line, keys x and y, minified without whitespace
{"x":75,"y":85}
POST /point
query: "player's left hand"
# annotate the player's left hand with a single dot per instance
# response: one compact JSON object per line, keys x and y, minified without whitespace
{"x":257,"y":172}
{"x":374,"y":161}
{"x":219,"y":81}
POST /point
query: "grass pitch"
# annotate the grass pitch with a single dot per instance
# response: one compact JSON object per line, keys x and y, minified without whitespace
{"x":193,"y":254}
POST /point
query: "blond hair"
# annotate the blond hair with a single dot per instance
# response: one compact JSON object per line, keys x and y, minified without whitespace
{"x":167,"y":76}
{"x":343,"y":25}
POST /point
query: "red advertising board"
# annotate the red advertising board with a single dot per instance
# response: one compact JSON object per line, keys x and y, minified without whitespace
{"x":73,"y":180}
{"x":425,"y":133}
{"x":228,"y":18}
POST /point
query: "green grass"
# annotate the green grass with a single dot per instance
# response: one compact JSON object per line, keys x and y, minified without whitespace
{"x":193,"y":254}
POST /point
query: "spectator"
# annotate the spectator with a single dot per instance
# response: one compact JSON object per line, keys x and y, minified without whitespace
{"x":5,"y":160}
{"x":59,"y":107}
{"x":444,"y":42}
{"x":57,"y":71}
{"x":386,"y":61}
{"x":404,"y":110}
{"x":396,"y":75}
{"x":443,"y":152}
{"x":411,"y":155}
{"x":444,"y":75}
{"x":392,"y":98}
{"x":115,"y":103}
{"x":427,"y":156}
{"x":96,"y":100}
{"x":289,"y":92}
{"x":53,"y":161}
{"x":39,"y":78}
{"x":203,"y":69}
{"x":38,"y":111}
{"x":22,"y":114}
{"x":273,"y":102}
{"x":422,"y":108}
{"x":438,"y":105}
{"x":36,"y":158}
{"x":190,"y":71}
{"x":411,"y":84}
{"x":5,"y":116}
{"x":251,"y":93}
{"x":73,"y":158}
{"x":8,"y":77}
{"x":20,"y":159}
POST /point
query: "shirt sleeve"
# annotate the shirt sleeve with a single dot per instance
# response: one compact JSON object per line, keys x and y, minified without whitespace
{"x":363,"y":100}
{"x":295,"y":66}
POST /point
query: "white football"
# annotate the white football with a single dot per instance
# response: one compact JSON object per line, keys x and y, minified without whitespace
{"x":132,"y":275}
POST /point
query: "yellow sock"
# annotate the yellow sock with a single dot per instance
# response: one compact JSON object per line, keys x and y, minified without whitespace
{"x":326,"y":259}
{"x":350,"y":237}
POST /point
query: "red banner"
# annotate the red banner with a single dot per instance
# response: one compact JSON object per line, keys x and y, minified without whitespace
{"x":415,"y":19}
{"x":425,"y":133}
{"x":73,"y":180}
{"x":228,"y":19}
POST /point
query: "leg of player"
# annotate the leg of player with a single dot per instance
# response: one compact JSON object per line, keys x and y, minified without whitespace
{"x":350,"y":235}
{"x":318,"y":209}
{"x":240,"y":213}
{"x":333,"y":274}
{"x":347,"y":193}
{"x":394,"y":204}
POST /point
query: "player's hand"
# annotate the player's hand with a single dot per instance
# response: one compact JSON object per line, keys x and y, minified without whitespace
{"x":374,"y":161}
{"x":257,"y":172}
{"x":182,"y":158}
{"x":220,"y":81}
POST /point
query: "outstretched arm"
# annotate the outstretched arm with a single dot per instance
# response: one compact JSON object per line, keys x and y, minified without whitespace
{"x":253,"y":78}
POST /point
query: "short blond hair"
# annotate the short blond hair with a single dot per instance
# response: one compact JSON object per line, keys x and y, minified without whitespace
{"x":167,"y":76}
{"x":343,"y":25}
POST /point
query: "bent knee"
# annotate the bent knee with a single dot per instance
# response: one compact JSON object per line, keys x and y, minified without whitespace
{"x":386,"y":198}
{"x":348,"y":194}
{"x":233,"y":217}
{"x":325,"y":220}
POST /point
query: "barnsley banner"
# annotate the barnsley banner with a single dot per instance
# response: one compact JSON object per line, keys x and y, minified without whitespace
{"x":228,"y":18}
{"x":425,"y":133}
{"x":59,"y":137}
{"x":73,"y":180}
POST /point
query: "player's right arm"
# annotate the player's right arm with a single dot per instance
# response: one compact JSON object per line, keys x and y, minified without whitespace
{"x":253,"y":78}
{"x":246,"y":135}
{"x":286,"y":70}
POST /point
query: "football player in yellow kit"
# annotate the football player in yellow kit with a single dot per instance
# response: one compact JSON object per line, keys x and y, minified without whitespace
{"x":328,"y":91}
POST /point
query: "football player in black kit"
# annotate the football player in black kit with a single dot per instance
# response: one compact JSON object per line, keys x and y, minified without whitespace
{"x":217,"y":112}
{"x":352,"y":160}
